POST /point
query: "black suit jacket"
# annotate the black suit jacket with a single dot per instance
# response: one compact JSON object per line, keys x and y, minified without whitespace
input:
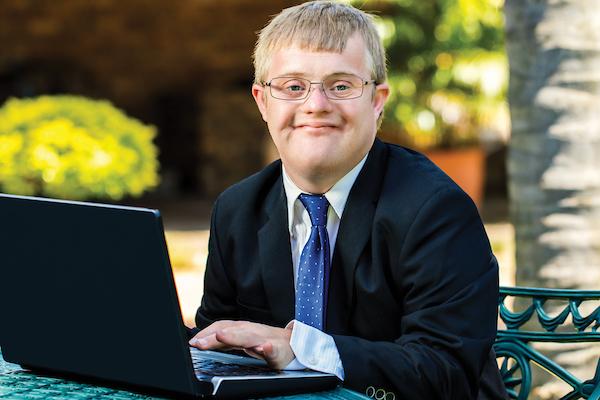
{"x":413,"y":293}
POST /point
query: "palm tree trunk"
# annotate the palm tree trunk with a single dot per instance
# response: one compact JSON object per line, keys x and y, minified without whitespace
{"x":554,"y":158}
{"x":554,"y":154}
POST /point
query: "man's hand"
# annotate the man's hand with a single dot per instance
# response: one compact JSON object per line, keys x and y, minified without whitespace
{"x":261,"y":341}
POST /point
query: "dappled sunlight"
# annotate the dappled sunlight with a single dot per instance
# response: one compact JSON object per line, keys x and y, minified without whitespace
{"x":188,"y":251}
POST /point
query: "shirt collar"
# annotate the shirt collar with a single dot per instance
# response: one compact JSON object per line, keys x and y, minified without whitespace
{"x":337,"y":196}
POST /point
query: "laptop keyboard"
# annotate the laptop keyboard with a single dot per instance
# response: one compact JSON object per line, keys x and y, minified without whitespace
{"x":208,"y":367}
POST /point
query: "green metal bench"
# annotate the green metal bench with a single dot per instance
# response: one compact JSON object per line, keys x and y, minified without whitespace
{"x":512,"y":344}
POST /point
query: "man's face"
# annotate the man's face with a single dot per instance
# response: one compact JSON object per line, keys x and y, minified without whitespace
{"x":318,"y":136}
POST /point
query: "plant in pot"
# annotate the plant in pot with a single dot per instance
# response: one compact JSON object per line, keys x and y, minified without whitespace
{"x":448,"y":77}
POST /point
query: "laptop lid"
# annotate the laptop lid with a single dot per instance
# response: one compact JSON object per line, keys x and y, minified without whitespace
{"x":88,"y":289}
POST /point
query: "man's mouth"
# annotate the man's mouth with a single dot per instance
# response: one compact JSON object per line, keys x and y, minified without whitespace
{"x":316,"y":125}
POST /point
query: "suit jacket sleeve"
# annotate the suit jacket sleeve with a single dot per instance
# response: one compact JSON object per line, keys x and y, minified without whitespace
{"x":447,"y":281}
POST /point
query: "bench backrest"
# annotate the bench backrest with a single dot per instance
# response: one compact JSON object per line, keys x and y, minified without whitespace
{"x":513,"y":341}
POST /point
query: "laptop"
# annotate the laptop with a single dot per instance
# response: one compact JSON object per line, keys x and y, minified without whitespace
{"x":87,"y":291}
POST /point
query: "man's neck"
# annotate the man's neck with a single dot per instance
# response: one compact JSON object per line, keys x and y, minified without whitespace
{"x":318,"y":182}
{"x":315,"y":184}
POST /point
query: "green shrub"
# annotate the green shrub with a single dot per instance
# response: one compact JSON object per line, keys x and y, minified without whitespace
{"x":74,"y":147}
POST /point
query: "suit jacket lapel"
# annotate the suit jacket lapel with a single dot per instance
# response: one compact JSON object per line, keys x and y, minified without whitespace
{"x":353,"y":235}
{"x":275,"y":255}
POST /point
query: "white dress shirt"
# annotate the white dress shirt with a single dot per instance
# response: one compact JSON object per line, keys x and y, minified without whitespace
{"x":313,"y":348}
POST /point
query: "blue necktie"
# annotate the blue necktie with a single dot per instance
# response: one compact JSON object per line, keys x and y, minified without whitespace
{"x":313,"y":268}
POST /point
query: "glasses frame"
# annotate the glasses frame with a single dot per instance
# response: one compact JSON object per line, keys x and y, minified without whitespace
{"x":364,"y":83}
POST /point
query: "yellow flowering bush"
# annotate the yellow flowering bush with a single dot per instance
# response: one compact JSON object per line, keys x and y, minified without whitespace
{"x":74,"y":147}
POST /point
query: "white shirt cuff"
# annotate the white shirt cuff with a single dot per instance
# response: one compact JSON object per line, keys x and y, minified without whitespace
{"x":295,"y":365}
{"x":314,"y":349}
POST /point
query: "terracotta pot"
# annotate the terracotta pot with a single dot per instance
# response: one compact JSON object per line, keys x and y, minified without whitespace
{"x":465,"y":166}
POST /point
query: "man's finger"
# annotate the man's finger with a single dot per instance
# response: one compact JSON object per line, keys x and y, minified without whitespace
{"x":269,"y":352}
{"x":214,"y":327}
{"x":209,"y":343}
{"x":204,"y":341}
{"x":237,"y":336}
{"x":255,"y":352}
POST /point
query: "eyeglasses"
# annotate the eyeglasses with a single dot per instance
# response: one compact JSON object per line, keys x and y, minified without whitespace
{"x":335,"y":87}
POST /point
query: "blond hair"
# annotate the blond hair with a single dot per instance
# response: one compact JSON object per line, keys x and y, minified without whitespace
{"x":318,"y":26}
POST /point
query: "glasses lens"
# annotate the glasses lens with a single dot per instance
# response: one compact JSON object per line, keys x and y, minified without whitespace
{"x":343,"y":86}
{"x":289,"y":88}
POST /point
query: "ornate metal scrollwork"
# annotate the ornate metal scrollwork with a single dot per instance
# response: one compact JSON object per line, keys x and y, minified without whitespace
{"x":514,"y":369}
{"x":512,"y":344}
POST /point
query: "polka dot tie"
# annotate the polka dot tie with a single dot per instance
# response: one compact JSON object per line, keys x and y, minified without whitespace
{"x":313,"y":268}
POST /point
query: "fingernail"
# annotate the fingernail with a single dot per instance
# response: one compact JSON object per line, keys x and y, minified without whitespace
{"x":193,"y":342}
{"x":201,"y":342}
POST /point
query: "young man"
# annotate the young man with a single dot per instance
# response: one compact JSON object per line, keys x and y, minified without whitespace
{"x":348,"y":255}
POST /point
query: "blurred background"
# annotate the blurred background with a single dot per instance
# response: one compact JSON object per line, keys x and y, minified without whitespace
{"x":148,"y":103}
{"x":185,"y":68}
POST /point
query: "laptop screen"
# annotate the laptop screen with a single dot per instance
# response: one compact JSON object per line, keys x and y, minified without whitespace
{"x":87,"y":288}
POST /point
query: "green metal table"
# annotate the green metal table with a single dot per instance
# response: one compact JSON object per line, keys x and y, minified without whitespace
{"x":19,"y":384}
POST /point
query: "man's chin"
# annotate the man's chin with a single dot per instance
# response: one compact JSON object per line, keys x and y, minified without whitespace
{"x":323,"y":161}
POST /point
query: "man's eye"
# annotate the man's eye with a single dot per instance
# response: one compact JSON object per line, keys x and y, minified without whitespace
{"x":294,"y":88}
{"x":293,"y":85}
{"x":340,"y":87}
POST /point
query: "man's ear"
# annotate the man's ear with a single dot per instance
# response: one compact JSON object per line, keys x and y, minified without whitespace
{"x":259,"y":94}
{"x":382,"y":92}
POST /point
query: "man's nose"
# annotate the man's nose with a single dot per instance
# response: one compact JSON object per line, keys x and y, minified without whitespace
{"x":316,"y":99}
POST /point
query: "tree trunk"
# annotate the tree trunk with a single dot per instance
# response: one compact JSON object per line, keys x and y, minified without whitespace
{"x":554,"y":154}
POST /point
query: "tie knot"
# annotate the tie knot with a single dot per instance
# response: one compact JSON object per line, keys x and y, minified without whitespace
{"x":316,"y":205}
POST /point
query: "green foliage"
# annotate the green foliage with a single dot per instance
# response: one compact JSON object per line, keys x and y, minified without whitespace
{"x":74,"y":147}
{"x":448,"y":70}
